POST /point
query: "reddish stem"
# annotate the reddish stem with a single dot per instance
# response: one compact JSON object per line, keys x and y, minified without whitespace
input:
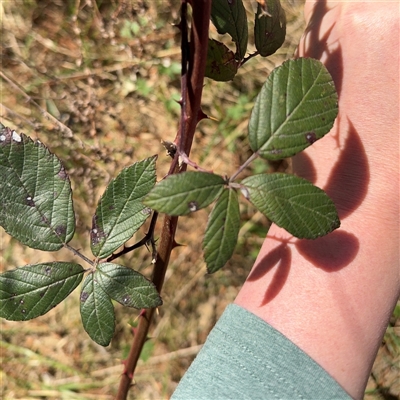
{"x":192,"y":88}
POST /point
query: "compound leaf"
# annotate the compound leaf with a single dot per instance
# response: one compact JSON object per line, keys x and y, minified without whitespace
{"x":221,"y":62}
{"x":97,"y":312}
{"x":293,"y":203}
{"x":222,"y":231}
{"x":269,"y":30}
{"x":33,"y":290}
{"x":183,"y":193}
{"x":128,"y":287}
{"x":296,"y":106}
{"x":120,"y":212}
{"x":35,"y":193}
{"x":229,"y":16}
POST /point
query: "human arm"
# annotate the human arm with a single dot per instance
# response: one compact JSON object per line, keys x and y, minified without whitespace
{"x":333,"y":296}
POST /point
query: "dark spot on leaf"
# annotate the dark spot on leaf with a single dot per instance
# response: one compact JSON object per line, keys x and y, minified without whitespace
{"x":215,"y":68}
{"x":126,"y":299}
{"x":84,"y":296}
{"x":21,"y":301}
{"x":16,"y":137}
{"x":95,"y":236}
{"x":60,"y":230}
{"x":55,"y":194}
{"x":42,"y":294}
{"x":23,"y":311}
{"x":276,"y":151}
{"x":146,"y":211}
{"x":230,"y":2}
{"x":311,"y":137}
{"x":4,"y":133}
{"x":47,"y":270}
{"x":270,"y":35}
{"x":29,"y":201}
{"x":62,"y":174}
{"x":96,"y":233}
{"x":14,"y":294}
{"x":7,"y":136}
{"x":193,"y":206}
{"x":111,"y":207}
{"x":45,"y":220}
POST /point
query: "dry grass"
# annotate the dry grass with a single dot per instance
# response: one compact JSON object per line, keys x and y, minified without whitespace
{"x":98,"y":84}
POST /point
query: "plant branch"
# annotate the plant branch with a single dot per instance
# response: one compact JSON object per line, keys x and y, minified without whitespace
{"x":148,"y":238}
{"x":194,"y":56}
{"x":188,"y":161}
{"x":243,"y":166}
{"x":78,"y":254}
{"x":249,"y":57}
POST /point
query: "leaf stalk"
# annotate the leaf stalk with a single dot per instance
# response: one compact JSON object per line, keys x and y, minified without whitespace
{"x":243,"y":166}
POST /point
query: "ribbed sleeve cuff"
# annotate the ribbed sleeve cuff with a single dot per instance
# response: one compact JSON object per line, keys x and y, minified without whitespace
{"x":245,"y":358}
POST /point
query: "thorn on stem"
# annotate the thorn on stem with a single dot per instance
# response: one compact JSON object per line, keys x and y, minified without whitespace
{"x":178,"y":25}
{"x":201,"y":115}
{"x":142,"y":312}
{"x":175,"y":244}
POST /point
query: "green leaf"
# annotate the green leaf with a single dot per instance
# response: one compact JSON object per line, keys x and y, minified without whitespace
{"x":293,"y":203}
{"x":97,"y":312}
{"x":35,"y":193}
{"x":222,"y":231}
{"x":33,"y":290}
{"x":183,"y":193}
{"x":269,"y":31}
{"x":120,"y":212}
{"x":229,"y":16}
{"x":128,"y":287}
{"x":296,"y":106}
{"x":221,"y":63}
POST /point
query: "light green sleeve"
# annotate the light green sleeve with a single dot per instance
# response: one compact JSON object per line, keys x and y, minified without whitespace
{"x":245,"y":358}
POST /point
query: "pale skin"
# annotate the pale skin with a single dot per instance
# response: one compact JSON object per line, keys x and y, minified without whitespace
{"x":333,"y":296}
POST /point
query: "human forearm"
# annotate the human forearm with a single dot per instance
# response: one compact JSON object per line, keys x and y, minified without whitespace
{"x":333,"y":296}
